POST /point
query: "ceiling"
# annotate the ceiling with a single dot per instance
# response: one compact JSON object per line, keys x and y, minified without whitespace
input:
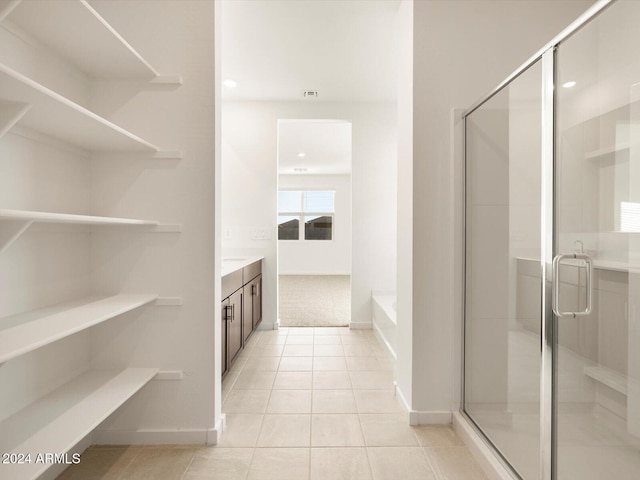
{"x":326,"y":145}
{"x":276,"y":49}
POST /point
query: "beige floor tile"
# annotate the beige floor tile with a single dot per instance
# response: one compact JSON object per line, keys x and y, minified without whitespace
{"x":300,"y":340}
{"x":377,"y":401}
{"x":437,"y":436}
{"x":285,"y":431}
{"x":267,"y":351}
{"x":246,"y":401}
{"x":104,"y":463}
{"x":217,"y":463}
{"x":340,"y":464}
{"x":327,"y":340}
{"x":328,"y":330}
{"x":290,"y":401}
{"x":296,"y":364}
{"x":153,"y":463}
{"x":293,"y":381}
{"x":363,"y":364}
{"x":280,"y":464}
{"x":359,"y":350}
{"x":263,"y":364}
{"x":406,"y":463}
{"x":336,"y":430}
{"x":387,"y":430}
{"x":301,"y":331}
{"x":242,"y":430}
{"x":298,"y":350}
{"x":331,"y":381}
{"x":329,"y":364}
{"x":328,"y":351}
{"x":375,"y":380}
{"x":273,"y":340}
{"x":454,"y":463}
{"x":333,"y":401}
{"x":254,"y":380}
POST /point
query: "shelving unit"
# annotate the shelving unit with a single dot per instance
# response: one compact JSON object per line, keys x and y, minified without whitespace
{"x":58,"y":421}
{"x":28,"y":331}
{"x":59,"y":117}
{"x":90,"y":48}
{"x":607,"y":152}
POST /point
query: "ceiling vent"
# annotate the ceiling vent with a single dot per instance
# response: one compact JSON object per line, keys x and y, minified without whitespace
{"x":299,"y":169}
{"x":310,"y":94}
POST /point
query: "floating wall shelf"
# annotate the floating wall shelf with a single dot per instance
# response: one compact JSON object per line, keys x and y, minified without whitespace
{"x":54,"y":115}
{"x":14,"y":223}
{"x":28,"y":331}
{"x":611,"y":379}
{"x":91,"y":44}
{"x":60,"y":420}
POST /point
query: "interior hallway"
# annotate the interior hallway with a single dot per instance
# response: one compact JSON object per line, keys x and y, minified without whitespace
{"x":301,"y":404}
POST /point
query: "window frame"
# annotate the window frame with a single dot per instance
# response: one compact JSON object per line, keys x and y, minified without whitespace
{"x":301,"y":214}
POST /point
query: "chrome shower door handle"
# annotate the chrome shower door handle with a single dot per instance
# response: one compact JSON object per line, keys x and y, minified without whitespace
{"x":556,"y":284}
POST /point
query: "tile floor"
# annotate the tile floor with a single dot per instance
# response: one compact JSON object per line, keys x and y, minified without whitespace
{"x":301,"y":404}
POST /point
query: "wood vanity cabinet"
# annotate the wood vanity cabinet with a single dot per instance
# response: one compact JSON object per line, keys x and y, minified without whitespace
{"x":241,"y":310}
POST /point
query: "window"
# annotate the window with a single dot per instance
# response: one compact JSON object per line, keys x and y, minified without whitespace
{"x":306,"y":214}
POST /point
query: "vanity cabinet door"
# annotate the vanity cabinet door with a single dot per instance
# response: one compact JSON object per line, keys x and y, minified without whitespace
{"x":257,"y":301}
{"x":234,"y":326}
{"x":247,"y":310}
{"x":223,"y":341}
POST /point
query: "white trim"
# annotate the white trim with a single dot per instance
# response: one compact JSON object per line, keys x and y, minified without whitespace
{"x":480,"y":451}
{"x":360,"y":325}
{"x":214,"y":434}
{"x":429,"y":418}
{"x":158,"y":437}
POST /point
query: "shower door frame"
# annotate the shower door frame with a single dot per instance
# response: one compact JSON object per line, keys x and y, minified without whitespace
{"x":548,"y":246}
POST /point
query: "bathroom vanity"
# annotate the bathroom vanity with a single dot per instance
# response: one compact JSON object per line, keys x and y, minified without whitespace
{"x":241,"y":305}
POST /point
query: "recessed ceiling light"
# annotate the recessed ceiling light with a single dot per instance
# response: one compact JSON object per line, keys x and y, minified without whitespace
{"x":229,"y":83}
{"x":569,"y":84}
{"x":301,"y":154}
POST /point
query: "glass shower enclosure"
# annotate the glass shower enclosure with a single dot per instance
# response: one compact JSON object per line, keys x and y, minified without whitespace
{"x":552,"y":256}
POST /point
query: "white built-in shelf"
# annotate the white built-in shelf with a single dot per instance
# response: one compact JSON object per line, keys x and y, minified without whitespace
{"x":13,"y":223}
{"x":60,"y":420}
{"x":74,"y":30}
{"x":607,"y":152}
{"x":68,"y":218}
{"x":48,"y":112}
{"x":608,"y":377}
{"x":25,"y":332}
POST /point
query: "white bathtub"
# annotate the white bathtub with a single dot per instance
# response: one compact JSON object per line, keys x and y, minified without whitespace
{"x":384,"y":320}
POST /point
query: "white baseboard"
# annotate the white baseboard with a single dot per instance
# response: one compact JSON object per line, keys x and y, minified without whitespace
{"x":214,"y":434}
{"x":157,"y":437}
{"x":360,"y":325}
{"x":423,"y":417}
{"x":489,"y":462}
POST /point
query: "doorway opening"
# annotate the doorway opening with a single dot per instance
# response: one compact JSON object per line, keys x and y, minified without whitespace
{"x":314,"y":223}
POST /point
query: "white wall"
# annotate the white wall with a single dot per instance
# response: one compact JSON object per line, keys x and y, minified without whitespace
{"x":48,"y":266}
{"x":249,"y":177}
{"x":320,"y":257}
{"x":461,"y":50}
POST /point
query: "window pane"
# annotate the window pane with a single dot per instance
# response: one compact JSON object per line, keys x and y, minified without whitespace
{"x":319,"y":201}
{"x":288,"y":228}
{"x":318,"y":228}
{"x":289,"y":200}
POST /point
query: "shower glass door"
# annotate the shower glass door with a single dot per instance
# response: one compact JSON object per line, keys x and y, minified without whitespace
{"x":597,"y":213}
{"x":503,"y":282}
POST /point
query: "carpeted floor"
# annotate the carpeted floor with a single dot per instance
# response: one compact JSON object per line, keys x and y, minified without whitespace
{"x":315,"y":300}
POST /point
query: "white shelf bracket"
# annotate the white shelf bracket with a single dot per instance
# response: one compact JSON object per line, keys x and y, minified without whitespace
{"x":10,"y":114}
{"x":10,"y":231}
{"x":6,"y":7}
{"x":167,"y":80}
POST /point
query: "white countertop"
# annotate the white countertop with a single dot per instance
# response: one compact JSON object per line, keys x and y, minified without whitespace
{"x":233,"y":264}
